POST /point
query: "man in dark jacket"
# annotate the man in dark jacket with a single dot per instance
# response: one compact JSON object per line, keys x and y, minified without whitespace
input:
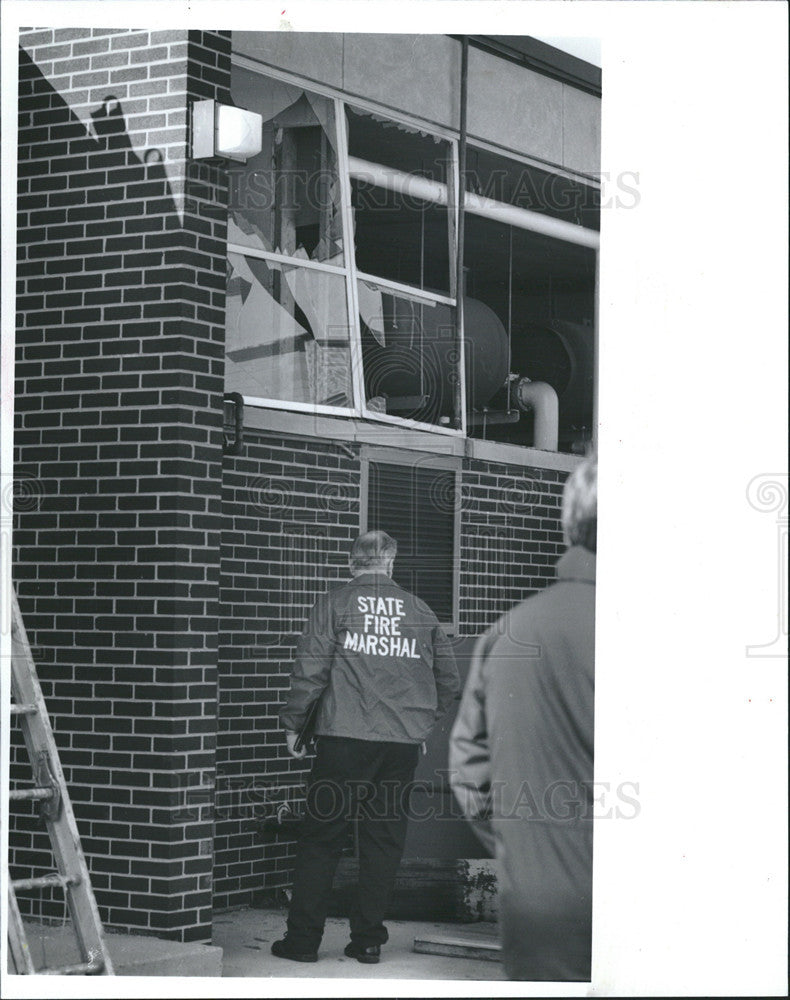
{"x":384,"y":670}
{"x":521,"y":756}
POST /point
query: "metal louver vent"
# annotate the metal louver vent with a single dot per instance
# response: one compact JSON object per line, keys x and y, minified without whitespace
{"x":416,"y":505}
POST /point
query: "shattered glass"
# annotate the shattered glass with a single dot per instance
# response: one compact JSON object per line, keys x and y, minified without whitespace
{"x":287,"y":333}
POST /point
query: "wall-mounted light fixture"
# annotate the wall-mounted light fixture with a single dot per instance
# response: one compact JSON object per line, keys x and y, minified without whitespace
{"x":222,"y":130}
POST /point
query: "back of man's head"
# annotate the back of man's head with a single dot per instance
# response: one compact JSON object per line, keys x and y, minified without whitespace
{"x":374,"y":550}
{"x":580,"y":505}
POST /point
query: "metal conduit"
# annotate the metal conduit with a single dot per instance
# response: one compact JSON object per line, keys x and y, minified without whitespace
{"x":460,"y":400}
{"x":414,"y":186}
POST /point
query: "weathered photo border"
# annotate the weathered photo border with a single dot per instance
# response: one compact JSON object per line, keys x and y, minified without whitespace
{"x":691,"y":687}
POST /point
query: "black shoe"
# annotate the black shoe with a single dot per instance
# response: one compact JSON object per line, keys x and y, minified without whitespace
{"x":368,"y":955}
{"x":282,"y":949}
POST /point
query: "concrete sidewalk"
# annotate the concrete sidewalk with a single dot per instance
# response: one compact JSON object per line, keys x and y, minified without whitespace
{"x":55,"y":945}
{"x":246,"y":936}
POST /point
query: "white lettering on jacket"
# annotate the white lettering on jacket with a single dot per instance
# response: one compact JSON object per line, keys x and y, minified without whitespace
{"x":381,"y":624}
{"x":380,"y":605}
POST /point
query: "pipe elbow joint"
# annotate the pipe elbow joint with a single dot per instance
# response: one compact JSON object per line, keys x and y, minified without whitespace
{"x":542,"y":399}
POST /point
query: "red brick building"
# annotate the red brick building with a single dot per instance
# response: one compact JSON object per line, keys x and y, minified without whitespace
{"x":168,"y":544}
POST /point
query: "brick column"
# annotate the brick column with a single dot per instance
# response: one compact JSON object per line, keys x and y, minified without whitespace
{"x":120,"y":335}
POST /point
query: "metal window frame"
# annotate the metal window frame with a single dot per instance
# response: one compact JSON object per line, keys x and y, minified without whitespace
{"x":280,"y":258}
{"x":415,"y":121}
{"x":408,"y":291}
{"x":349,"y":271}
{"x":406,"y":457}
{"x":296,"y":405}
{"x":325,"y":90}
{"x":357,"y":367}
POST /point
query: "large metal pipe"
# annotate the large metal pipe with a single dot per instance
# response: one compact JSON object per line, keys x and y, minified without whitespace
{"x":415,"y":186}
{"x":541,"y":398}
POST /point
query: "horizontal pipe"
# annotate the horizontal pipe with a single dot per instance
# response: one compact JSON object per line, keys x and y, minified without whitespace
{"x":476,"y":418}
{"x":411,"y":185}
{"x":415,"y":186}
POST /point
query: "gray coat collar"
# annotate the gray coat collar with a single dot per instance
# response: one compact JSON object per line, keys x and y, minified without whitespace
{"x":577,"y":564}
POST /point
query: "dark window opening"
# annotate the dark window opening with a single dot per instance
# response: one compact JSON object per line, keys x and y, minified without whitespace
{"x":491,"y":175}
{"x":398,"y":234}
{"x":372,"y":137}
{"x":401,"y":238}
{"x":529,"y":311}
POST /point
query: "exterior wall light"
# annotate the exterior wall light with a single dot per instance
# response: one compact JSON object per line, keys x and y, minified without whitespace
{"x":222,"y":130}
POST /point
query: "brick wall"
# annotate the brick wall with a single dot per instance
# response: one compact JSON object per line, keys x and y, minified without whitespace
{"x":290,"y":513}
{"x":511,"y":538}
{"x":291,"y":509}
{"x":119,"y":371}
{"x":164,"y":590}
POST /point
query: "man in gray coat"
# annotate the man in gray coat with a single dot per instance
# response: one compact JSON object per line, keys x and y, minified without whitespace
{"x":384,"y":671}
{"x":521,"y":756}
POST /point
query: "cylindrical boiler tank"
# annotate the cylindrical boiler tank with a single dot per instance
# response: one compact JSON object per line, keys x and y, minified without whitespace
{"x":413,"y":358}
{"x":560,"y":353}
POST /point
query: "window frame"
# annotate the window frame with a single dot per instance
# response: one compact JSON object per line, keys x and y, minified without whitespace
{"x":349,"y":270}
{"x":356,"y":275}
{"x":355,"y":354}
{"x":406,"y":457}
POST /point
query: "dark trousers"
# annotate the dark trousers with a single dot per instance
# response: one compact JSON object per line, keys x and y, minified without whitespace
{"x":351,"y":779}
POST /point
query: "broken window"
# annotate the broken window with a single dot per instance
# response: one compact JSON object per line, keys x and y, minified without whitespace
{"x":287,"y":324}
{"x":342,"y":244}
{"x":529,"y":305}
{"x":404,"y":253}
{"x":287,"y":333}
{"x":401,"y":228}
{"x":286,"y":200}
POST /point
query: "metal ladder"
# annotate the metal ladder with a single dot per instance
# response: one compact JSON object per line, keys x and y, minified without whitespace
{"x":51,"y":791}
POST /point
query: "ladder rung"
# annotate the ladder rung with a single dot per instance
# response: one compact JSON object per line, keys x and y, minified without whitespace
{"x":48,"y":787}
{"x":30,"y":793}
{"x":73,"y":970}
{"x":24,"y":710}
{"x":43,"y":881}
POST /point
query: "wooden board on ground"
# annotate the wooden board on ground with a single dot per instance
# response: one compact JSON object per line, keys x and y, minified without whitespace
{"x":465,"y":943}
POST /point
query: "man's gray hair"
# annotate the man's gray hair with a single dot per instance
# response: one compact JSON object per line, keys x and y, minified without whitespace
{"x":373,"y":549}
{"x":580,"y":504}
